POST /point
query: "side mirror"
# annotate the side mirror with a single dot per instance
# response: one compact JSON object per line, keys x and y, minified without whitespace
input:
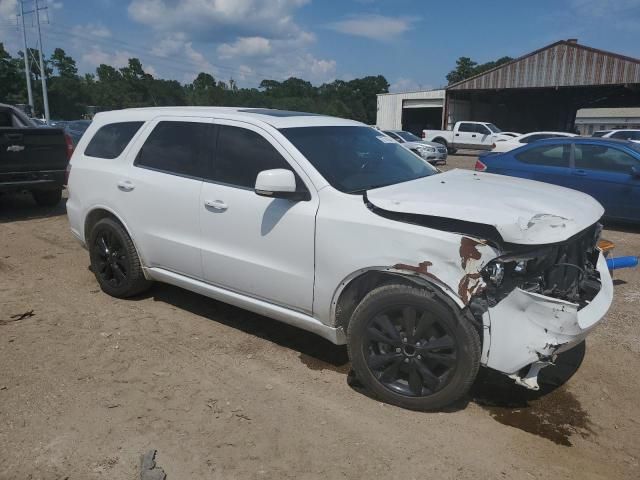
{"x":279,"y":183}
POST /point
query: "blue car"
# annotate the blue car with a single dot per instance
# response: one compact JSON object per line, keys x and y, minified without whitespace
{"x":606,"y":169}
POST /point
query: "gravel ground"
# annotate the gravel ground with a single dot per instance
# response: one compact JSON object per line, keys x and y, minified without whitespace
{"x":88,"y":383}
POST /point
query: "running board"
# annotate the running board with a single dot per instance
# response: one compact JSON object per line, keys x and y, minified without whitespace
{"x":291,"y":317}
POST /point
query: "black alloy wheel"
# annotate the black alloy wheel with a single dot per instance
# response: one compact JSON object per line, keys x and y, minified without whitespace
{"x":410,"y":351}
{"x":112,"y":266}
{"x":114,"y":260}
{"x":413,"y":347}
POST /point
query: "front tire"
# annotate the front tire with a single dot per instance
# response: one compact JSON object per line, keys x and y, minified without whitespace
{"x":47,"y":198}
{"x":411,"y":348}
{"x":115,"y":261}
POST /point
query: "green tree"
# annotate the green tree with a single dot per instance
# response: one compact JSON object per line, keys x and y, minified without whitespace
{"x":467,"y":68}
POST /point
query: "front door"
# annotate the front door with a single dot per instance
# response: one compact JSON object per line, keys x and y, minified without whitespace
{"x":258,"y":246}
{"x":606,"y":173}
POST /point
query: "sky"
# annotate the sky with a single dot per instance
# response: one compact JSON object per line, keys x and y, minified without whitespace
{"x":413,"y":43}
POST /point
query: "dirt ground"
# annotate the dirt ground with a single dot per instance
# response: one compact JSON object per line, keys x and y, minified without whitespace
{"x":88,"y":383}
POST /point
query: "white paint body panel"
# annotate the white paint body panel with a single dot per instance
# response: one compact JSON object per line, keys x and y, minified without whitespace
{"x":522,"y":140}
{"x":523,"y":211}
{"x":471,"y":140}
{"x":291,"y":260}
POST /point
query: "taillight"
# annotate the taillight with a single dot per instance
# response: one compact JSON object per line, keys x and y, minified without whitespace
{"x":69,"y":142}
{"x":480,"y":167}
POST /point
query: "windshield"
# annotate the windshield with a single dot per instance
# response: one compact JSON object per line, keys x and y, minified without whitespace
{"x":408,"y":136}
{"x":493,"y":128}
{"x":356,"y":159}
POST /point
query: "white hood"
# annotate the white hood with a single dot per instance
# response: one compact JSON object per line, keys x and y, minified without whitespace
{"x":522,"y":211}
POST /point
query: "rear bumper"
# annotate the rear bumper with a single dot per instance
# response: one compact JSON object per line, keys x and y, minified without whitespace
{"x":41,"y":180}
{"x":527,"y":327}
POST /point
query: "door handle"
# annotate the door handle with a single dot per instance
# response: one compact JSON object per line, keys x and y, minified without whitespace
{"x":457,"y":134}
{"x":14,"y":136}
{"x":473,"y":136}
{"x":125,"y":185}
{"x":581,"y":173}
{"x":216,"y":204}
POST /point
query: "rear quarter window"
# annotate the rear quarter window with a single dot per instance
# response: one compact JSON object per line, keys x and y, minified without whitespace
{"x":111,"y":140}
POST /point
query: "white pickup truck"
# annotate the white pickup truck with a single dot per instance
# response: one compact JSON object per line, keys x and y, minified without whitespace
{"x":469,"y":135}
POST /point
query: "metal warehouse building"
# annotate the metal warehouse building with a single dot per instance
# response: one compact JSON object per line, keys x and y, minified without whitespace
{"x":542,"y":90}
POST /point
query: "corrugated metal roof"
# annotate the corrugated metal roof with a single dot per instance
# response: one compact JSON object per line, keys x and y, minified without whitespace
{"x":561,"y":64}
{"x":608,"y":113}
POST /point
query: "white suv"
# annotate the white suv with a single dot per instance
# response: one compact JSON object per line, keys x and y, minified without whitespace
{"x":326,"y":224}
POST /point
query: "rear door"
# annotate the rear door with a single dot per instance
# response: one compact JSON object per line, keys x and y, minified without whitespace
{"x":160,"y":191}
{"x":544,"y":163}
{"x":606,"y":173}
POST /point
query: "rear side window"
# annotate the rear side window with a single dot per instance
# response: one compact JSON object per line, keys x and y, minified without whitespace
{"x":548,"y":155}
{"x":111,"y":140}
{"x":180,"y":148}
{"x":467,"y":127}
{"x":241,"y":154}
{"x":598,"y":157}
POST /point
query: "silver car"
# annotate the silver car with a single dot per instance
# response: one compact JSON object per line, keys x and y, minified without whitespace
{"x":432,"y":152}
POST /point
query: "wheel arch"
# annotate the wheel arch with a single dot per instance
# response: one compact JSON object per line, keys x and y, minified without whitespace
{"x":97,"y":213}
{"x":441,"y":140}
{"x":358,"y":284}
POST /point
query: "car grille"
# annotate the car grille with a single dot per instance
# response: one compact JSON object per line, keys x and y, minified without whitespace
{"x":442,"y":150}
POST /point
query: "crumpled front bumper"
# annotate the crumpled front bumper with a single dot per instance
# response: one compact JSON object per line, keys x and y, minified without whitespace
{"x":528,"y":327}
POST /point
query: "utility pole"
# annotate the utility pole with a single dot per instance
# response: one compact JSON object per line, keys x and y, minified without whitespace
{"x":43,"y":74}
{"x":26,"y":58}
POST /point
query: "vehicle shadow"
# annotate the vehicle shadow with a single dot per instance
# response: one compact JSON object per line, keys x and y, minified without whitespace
{"x":22,"y":206}
{"x":491,"y":390}
{"x":315,"y":352}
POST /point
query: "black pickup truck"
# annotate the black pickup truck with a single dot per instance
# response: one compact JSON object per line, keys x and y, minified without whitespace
{"x":32,"y":158}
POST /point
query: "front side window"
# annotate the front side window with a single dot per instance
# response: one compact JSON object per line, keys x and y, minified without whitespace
{"x":599,"y":157}
{"x":482,"y":130}
{"x":241,"y":154}
{"x":111,"y":140}
{"x":356,"y":159}
{"x":548,"y":155}
{"x":181,"y":148}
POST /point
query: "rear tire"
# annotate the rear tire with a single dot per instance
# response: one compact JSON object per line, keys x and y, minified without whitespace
{"x":115,"y":261}
{"x":47,"y":198}
{"x":411,"y":348}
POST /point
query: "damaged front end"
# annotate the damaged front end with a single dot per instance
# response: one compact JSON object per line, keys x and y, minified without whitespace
{"x":538,"y":302}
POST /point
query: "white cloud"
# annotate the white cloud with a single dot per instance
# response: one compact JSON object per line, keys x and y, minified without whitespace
{"x":219,"y":19}
{"x":374,"y":27}
{"x":96,"y":56}
{"x":92,"y":29}
{"x":245,"y":47}
{"x":8,"y":9}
